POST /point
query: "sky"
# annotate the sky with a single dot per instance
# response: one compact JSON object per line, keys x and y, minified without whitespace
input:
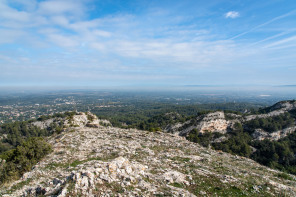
{"x":141,"y":43}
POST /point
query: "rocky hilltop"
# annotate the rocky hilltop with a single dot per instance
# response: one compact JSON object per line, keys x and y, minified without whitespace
{"x":220,"y":122}
{"x":275,"y":110}
{"x":89,"y":159}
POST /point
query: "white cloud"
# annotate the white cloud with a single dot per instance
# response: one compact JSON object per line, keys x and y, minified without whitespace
{"x":6,"y":58}
{"x":60,"y":20}
{"x":232,"y":14}
{"x":51,"y":7}
{"x":98,"y":46}
{"x":10,"y":35}
{"x":101,"y":33}
{"x":189,"y":55}
{"x":27,"y":4}
{"x":8,"y":13}
{"x":131,"y":39}
{"x":266,"y":23}
{"x":284,"y":43}
{"x":64,"y":41}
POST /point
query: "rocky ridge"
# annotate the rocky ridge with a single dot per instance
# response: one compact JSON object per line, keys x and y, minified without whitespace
{"x":78,"y":120}
{"x":275,"y":110}
{"x":217,"y":122}
{"x":108,"y":161}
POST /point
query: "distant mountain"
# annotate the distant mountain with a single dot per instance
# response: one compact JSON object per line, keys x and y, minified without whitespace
{"x":200,"y":85}
{"x":288,"y":86}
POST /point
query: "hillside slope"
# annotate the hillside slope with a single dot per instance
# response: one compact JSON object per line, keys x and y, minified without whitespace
{"x":108,"y":161}
{"x":256,"y":124}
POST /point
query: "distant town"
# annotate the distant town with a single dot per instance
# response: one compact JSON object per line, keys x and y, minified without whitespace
{"x":22,"y":107}
{"x":21,"y":112}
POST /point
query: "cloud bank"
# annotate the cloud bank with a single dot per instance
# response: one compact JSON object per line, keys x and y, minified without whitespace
{"x":83,"y":42}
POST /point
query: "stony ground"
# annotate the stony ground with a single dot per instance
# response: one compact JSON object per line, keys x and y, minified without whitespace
{"x":108,"y":161}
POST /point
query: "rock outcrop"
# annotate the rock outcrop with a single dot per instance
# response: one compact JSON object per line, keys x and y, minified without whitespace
{"x":218,"y":122}
{"x":45,"y":124}
{"x":260,"y":134}
{"x":211,"y":122}
{"x":80,"y":119}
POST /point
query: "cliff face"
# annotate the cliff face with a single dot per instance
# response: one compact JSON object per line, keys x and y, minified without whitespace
{"x":211,"y":122}
{"x":108,"y":161}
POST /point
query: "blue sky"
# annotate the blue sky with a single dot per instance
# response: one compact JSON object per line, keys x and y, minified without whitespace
{"x":147,"y":42}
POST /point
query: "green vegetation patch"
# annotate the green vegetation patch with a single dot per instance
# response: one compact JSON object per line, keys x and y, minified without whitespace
{"x":181,"y":159}
{"x":284,"y":176}
{"x":115,"y":187}
{"x":179,"y":185}
{"x":212,"y":186}
{"x":23,"y":158}
{"x":271,"y":124}
{"x":18,"y":132}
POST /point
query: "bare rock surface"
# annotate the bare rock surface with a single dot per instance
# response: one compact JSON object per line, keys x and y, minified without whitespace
{"x":211,"y":122}
{"x":43,"y":124}
{"x":260,"y":134}
{"x":214,"y":122}
{"x":108,"y":161}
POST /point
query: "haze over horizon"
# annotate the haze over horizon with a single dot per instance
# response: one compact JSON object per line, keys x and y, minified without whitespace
{"x":87,"y":43}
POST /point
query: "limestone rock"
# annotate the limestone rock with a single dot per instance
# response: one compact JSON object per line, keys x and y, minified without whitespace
{"x":175,"y":177}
